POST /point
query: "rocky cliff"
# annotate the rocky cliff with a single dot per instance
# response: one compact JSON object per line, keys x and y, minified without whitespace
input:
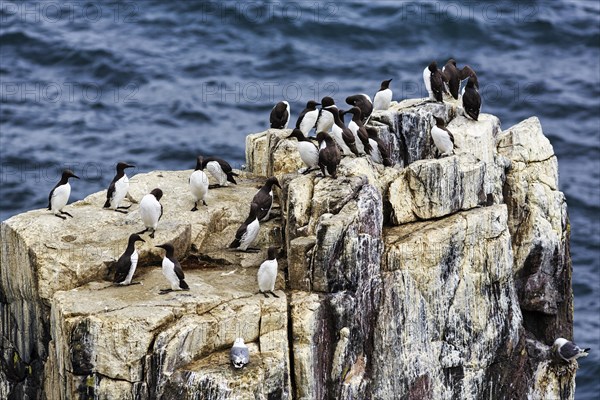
{"x":439,"y":278}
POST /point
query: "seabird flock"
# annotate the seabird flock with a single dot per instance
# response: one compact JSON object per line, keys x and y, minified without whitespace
{"x":334,"y":140}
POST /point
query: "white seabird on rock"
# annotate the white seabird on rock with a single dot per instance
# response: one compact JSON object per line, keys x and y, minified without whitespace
{"x":568,"y":350}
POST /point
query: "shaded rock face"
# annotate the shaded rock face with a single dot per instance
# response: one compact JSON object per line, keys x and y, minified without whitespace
{"x":438,"y":278}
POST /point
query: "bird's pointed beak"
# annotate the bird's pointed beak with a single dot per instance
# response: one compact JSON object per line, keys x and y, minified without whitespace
{"x":130,"y":166}
{"x":142,"y":240}
{"x":75,"y":176}
{"x":318,"y":104}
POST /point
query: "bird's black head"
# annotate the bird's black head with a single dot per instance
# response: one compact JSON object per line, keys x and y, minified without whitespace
{"x":168,"y":247}
{"x":312,"y":105}
{"x":67,"y":173}
{"x":471,"y":81}
{"x":296,"y":133}
{"x":135,"y":238}
{"x":439,"y":121}
{"x":123,"y":165}
{"x":273,"y":181}
{"x":433,"y":66}
{"x":385,"y":84}
{"x":157,"y":193}
{"x":273,"y":252}
{"x":355,"y":111}
{"x":322,"y":136}
{"x":451,"y":61}
{"x":327,"y":102}
{"x":199,"y":161}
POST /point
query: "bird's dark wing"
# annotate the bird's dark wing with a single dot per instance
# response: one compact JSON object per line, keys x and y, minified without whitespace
{"x":301,"y":117}
{"x":224,"y":165}
{"x":110,"y":193}
{"x":177,"y":268}
{"x":264,"y":201}
{"x":569,"y":350}
{"x":122,"y":268}
{"x":161,"y":211}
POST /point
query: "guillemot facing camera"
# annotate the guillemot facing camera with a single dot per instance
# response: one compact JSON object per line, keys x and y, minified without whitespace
{"x":264,"y":199}
{"x":442,"y":138}
{"x":569,"y":351}
{"x":151,"y":211}
{"x":357,"y":127}
{"x":267,"y":273}
{"x":118,"y":188}
{"x":471,"y":99}
{"x":326,"y":119}
{"x":329,"y":154}
{"x":362,"y":101}
{"x":383,"y":97}
{"x":247,"y":232}
{"x":309,"y":153}
{"x":59,"y":195}
{"x":126,"y":264}
{"x":380,"y":153}
{"x":452,"y":75}
{"x":220,"y":170}
{"x":198,"y":183}
{"x":434,"y":82}
{"x":171,"y":269}
{"x":280,"y":115}
{"x":342,"y":135}
{"x":308,"y":117}
{"x":239,"y":354}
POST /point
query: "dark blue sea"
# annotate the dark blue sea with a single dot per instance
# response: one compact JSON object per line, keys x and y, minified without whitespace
{"x":154,"y":83}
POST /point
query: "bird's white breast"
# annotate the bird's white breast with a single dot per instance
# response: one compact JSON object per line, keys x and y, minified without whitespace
{"x":267,"y":275}
{"x":250,"y":234}
{"x":308,"y":153}
{"x":121,"y":189}
{"x":337,"y":134}
{"x":427,"y":80}
{"x":353,"y":126}
{"x":383,"y":99}
{"x":287,"y":107}
{"x":199,"y":184}
{"x":442,"y":140}
{"x":168,"y":270}
{"x":325,"y":122}
{"x":134,"y":260}
{"x":60,"y":197}
{"x":215,"y":170}
{"x":375,"y":153}
{"x":309,"y":121}
{"x":150,"y":211}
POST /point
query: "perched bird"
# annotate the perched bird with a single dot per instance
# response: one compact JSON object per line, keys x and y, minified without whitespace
{"x":248,"y":231}
{"x":280,"y":115}
{"x":466,"y":72}
{"x":326,"y":119}
{"x":383,"y":97}
{"x":568,"y":350}
{"x":471,"y":99}
{"x":308,"y":117}
{"x":267,"y":273}
{"x":442,"y":137}
{"x":452,"y":75}
{"x":118,"y":188}
{"x":362,"y":101}
{"x":329,"y":154}
{"x":380,"y":153}
{"x":59,"y":195}
{"x":220,"y":170}
{"x":171,"y":269}
{"x":309,"y":153}
{"x":357,"y":127}
{"x":151,"y":211}
{"x":198,"y":183}
{"x":126,"y":264}
{"x":434,"y":82}
{"x":342,"y":135}
{"x":239,"y":354}
{"x":264,"y":199}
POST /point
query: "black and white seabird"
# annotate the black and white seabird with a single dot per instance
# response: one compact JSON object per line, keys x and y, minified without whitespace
{"x":568,"y":350}
{"x":342,"y":135}
{"x":59,"y":195}
{"x":326,"y":119}
{"x":357,"y":127}
{"x":220,"y":170}
{"x":383,"y":97}
{"x":118,"y":188}
{"x":452,"y":75}
{"x":442,"y":137}
{"x":329,"y":154}
{"x":248,"y":231}
{"x":126,"y":264}
{"x":471,"y":99}
{"x":171,"y":269}
{"x":434,"y":82}
{"x":309,"y":152}
{"x":380,"y":153}
{"x":280,"y":115}
{"x":198,"y":183}
{"x":151,"y":211}
{"x":362,"y":101}
{"x":264,"y":199}
{"x":239,"y":354}
{"x":267,"y":273}
{"x":308,"y":117}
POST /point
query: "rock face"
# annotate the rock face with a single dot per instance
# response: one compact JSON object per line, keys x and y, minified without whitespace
{"x":439,"y":278}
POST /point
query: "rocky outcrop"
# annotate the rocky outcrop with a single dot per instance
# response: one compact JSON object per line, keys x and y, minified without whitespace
{"x":438,"y":278}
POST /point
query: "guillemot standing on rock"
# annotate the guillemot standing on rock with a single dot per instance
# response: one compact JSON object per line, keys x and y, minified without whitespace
{"x":383,"y":97}
{"x":452,"y":75}
{"x":126,"y":264}
{"x":380,"y":153}
{"x":267,"y":273}
{"x":326,"y":119}
{"x":239,"y":354}
{"x":118,"y":188}
{"x":264,"y":199}
{"x":308,"y":117}
{"x":309,"y":153}
{"x":247,"y":232}
{"x":471,"y":99}
{"x":151,"y":211}
{"x":220,"y":170}
{"x":59,"y":195}
{"x":342,"y":135}
{"x":434,"y":82}
{"x":568,"y":350}
{"x":329,"y":154}
{"x":171,"y":269}
{"x":442,"y":138}
{"x":198,"y":183}
{"x":362,"y":101}
{"x":280,"y":115}
{"x":358,"y":129}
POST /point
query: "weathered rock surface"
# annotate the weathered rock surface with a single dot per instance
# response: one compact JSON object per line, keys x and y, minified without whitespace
{"x":438,"y":278}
